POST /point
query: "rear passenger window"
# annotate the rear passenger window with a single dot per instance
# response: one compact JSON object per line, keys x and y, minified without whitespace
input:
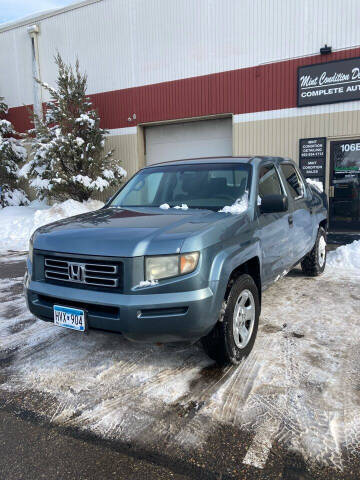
{"x":293,"y":180}
{"x":269,"y":182}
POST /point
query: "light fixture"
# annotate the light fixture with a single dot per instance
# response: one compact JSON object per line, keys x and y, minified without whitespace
{"x":325,"y":50}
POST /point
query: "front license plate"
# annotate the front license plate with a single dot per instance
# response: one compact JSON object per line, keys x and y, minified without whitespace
{"x":69,"y":318}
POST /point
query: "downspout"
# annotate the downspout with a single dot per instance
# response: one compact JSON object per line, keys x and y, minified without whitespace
{"x":33,"y":32}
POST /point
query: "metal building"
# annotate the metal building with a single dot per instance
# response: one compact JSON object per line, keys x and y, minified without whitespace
{"x":183,"y":78}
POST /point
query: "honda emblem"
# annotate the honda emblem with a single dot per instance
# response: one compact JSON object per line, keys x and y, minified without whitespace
{"x":77,"y":272}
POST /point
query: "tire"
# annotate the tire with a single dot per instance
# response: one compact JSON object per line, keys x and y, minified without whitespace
{"x":314,"y":262}
{"x":225,"y":344}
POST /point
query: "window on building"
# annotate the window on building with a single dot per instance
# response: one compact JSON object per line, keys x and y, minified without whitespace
{"x":269,"y":181}
{"x":293,"y":180}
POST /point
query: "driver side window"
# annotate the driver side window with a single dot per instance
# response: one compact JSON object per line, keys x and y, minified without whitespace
{"x":269,"y":181}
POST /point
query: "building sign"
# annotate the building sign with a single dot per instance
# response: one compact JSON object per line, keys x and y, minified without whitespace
{"x":346,"y":156}
{"x":337,"y":81}
{"x":312,"y":157}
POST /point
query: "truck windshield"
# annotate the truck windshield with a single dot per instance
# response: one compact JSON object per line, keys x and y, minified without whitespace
{"x":210,"y":186}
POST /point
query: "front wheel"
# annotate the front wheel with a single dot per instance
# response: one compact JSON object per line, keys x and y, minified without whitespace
{"x":314,"y":262}
{"x":234,"y":335}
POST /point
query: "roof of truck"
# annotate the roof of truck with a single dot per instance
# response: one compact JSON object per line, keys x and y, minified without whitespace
{"x":227,"y":159}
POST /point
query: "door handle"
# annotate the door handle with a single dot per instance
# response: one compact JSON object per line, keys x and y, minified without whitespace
{"x":290,"y":220}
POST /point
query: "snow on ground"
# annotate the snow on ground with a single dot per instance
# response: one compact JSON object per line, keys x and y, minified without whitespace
{"x":18,"y":223}
{"x":345,"y":257}
{"x":299,"y":386}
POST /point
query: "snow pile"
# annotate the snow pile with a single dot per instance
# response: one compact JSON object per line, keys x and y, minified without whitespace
{"x":345,"y":257}
{"x":18,"y":223}
{"x":166,"y":206}
{"x":315,"y":183}
{"x":240,"y":206}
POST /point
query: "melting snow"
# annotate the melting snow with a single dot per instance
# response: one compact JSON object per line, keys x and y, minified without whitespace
{"x":166,"y":206}
{"x":240,"y":206}
{"x":146,"y":283}
{"x":298,"y":387}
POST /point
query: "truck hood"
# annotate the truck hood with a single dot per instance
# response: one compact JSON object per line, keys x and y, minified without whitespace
{"x":126,"y":232}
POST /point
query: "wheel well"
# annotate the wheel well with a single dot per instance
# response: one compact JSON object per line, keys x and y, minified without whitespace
{"x":323,"y":224}
{"x":252,"y":268}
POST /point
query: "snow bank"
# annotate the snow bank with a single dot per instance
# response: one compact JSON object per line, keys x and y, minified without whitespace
{"x":18,"y":223}
{"x":345,"y":257}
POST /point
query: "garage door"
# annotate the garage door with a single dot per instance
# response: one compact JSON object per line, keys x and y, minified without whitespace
{"x":176,"y":141}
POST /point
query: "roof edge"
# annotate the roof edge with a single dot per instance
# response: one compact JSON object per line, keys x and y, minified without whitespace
{"x":36,"y":17}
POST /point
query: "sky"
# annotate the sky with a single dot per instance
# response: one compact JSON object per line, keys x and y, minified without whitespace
{"x":14,"y":9}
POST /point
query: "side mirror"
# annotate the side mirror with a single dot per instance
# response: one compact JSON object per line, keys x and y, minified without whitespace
{"x":274,"y":203}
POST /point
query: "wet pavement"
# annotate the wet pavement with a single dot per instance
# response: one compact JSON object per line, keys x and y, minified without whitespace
{"x":291,"y":410}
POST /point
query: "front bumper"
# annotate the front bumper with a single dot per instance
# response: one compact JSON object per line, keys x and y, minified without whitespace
{"x":140,"y":317}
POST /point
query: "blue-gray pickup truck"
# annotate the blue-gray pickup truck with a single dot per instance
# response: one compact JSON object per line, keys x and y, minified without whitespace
{"x":181,"y":253}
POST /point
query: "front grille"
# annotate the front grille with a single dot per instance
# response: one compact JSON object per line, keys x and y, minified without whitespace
{"x":82,"y":272}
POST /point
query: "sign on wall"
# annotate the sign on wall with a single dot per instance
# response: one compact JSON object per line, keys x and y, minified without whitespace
{"x":330,"y":82}
{"x":312,"y":157}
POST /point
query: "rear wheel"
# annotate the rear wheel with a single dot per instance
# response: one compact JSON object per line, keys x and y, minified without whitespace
{"x":234,"y":335}
{"x":314,"y":262}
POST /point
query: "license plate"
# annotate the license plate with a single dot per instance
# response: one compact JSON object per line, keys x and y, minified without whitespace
{"x":69,"y":318}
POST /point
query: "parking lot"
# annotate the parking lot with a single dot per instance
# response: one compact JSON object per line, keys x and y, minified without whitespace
{"x":291,"y":410}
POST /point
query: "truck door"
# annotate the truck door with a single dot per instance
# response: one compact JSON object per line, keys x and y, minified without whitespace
{"x":274,"y":228}
{"x":303,"y":232}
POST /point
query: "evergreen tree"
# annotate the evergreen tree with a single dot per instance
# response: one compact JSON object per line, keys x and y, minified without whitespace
{"x":67,"y":155}
{"x":12,"y":154}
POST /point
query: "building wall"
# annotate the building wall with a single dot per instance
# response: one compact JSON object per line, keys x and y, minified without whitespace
{"x":126,"y":146}
{"x":279,"y":133}
{"x":127,"y":43}
{"x":166,"y":60}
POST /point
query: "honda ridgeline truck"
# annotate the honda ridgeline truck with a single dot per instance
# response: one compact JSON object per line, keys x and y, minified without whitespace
{"x":181,"y":253}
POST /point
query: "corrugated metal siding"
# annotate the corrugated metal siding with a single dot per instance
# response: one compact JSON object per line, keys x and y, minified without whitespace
{"x":127,"y":43}
{"x":280,"y":136}
{"x":256,"y":89}
{"x":126,"y":151}
{"x":267,"y":87}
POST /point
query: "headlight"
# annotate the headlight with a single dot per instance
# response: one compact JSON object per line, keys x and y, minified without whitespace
{"x":166,"y":266}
